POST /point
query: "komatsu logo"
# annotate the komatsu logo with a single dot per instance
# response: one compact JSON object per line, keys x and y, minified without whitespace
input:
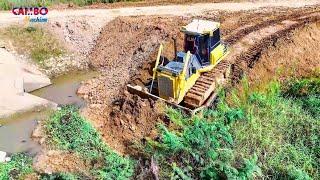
{"x":32,"y":14}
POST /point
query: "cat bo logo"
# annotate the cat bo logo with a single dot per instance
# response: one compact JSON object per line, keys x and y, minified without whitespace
{"x":32,"y":14}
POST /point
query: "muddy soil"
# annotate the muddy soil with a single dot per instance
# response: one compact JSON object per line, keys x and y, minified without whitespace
{"x":126,"y":52}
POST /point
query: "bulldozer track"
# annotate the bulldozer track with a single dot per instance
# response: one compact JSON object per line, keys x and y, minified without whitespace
{"x":208,"y":82}
{"x":232,"y":39}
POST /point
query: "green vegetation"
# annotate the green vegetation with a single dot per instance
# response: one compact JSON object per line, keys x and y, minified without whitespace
{"x":8,"y":4}
{"x":281,"y":128}
{"x":272,"y":134}
{"x":37,"y":42}
{"x":61,"y":176}
{"x":67,"y":130}
{"x":19,"y":166}
{"x":201,"y":147}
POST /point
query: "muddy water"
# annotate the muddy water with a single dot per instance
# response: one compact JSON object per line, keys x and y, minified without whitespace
{"x":15,"y":132}
{"x":63,"y":89}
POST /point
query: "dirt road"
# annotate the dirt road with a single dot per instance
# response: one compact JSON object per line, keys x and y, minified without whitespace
{"x":194,"y":9}
{"x":79,"y":28}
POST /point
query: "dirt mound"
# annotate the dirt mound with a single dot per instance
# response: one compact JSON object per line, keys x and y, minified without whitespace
{"x":296,"y":56}
{"x":125,"y":44}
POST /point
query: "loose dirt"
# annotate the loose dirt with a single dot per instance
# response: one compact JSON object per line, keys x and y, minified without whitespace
{"x":126,"y":50}
{"x":60,"y":161}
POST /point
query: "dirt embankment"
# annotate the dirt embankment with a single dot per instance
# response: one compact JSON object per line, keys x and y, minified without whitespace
{"x":122,"y":48}
{"x":125,"y":52}
{"x":296,"y":56}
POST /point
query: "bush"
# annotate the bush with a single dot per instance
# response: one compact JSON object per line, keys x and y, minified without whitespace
{"x":67,"y":130}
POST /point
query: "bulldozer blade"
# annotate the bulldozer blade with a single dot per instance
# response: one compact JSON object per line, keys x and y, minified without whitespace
{"x":138,"y":90}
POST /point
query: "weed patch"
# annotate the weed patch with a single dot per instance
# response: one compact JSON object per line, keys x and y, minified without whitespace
{"x":19,"y":166}
{"x":34,"y":41}
{"x":67,"y":130}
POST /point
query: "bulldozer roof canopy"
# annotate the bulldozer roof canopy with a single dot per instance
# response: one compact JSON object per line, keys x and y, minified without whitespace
{"x":199,"y":27}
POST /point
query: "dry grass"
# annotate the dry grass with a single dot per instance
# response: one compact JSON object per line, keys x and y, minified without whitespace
{"x":36,"y":42}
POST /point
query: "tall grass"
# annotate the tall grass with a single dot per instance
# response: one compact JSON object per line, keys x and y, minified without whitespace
{"x":200,"y":147}
{"x":268,"y":134}
{"x":282,"y":129}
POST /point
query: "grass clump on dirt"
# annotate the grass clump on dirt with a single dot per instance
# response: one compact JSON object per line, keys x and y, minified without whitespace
{"x":67,"y":130}
{"x":201,"y":147}
{"x":19,"y":166}
{"x":34,"y":41}
{"x":282,"y":128}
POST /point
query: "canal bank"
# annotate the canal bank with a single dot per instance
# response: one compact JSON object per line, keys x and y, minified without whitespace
{"x":16,"y":130}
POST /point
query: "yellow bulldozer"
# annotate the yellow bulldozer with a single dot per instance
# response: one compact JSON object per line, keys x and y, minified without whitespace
{"x":189,"y":81}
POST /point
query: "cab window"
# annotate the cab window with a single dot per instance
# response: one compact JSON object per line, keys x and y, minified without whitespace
{"x":215,"y":39}
{"x":189,"y":44}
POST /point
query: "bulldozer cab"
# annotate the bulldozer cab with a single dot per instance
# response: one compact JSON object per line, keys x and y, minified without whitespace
{"x":201,"y":37}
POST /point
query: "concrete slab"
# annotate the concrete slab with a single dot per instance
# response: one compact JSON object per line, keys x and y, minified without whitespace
{"x":16,"y":78}
{"x":14,"y":103}
{"x":12,"y":69}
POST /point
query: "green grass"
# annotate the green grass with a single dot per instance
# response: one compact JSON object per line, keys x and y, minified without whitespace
{"x":282,"y":128}
{"x":200,"y":147}
{"x":67,"y":130}
{"x":8,"y":4}
{"x":272,"y":134}
{"x":35,"y":41}
{"x":19,"y":166}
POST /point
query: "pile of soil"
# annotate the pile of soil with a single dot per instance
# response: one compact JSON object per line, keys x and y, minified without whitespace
{"x":122,"y":49}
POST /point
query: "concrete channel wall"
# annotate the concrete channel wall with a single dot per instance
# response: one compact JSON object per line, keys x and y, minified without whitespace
{"x":16,"y":80}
